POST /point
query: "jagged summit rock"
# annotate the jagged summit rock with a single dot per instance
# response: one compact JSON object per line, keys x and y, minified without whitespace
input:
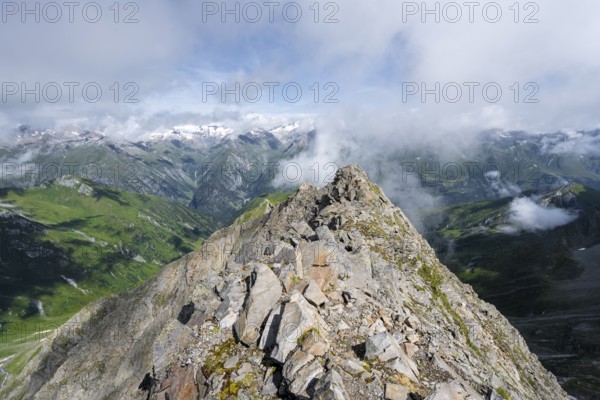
{"x":331,"y":295}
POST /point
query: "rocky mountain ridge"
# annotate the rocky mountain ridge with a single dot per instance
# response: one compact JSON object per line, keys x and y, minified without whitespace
{"x":330,"y":295}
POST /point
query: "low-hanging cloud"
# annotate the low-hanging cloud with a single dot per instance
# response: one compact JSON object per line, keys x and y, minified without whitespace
{"x":525,"y":214}
{"x":573,"y":142}
{"x":378,"y":144}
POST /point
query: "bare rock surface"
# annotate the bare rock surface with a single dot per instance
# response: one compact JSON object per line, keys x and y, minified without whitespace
{"x":331,"y":295}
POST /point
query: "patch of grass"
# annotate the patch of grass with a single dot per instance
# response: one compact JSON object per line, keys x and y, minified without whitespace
{"x":452,"y":233}
{"x":434,"y":279}
{"x":478,"y":275}
{"x":305,"y":334}
{"x":16,"y":365}
{"x":260,"y":205}
{"x":376,"y":189}
{"x":214,"y":363}
{"x":503,"y":393}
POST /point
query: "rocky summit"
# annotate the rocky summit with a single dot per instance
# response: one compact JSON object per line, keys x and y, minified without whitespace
{"x":330,"y":295}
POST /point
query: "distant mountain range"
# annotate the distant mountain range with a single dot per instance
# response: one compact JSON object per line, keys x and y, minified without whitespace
{"x":211,"y":168}
{"x":217,"y":170}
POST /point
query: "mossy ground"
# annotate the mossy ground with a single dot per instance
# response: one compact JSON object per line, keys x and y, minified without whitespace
{"x":215,"y":364}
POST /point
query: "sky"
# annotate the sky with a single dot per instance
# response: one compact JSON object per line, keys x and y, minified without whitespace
{"x":168,"y":62}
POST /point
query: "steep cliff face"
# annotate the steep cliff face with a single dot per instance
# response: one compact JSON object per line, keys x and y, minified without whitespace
{"x":331,"y":295}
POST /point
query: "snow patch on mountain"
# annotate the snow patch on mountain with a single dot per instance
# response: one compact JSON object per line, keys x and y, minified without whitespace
{"x":217,"y":131}
{"x":40,"y":307}
{"x":73,"y":283}
{"x":26,"y":135}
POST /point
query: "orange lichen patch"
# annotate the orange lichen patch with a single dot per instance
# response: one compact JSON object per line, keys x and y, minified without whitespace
{"x":322,"y":258}
{"x":181,"y":385}
{"x":325,"y":276}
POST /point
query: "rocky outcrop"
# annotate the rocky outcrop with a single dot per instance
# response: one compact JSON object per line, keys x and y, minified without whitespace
{"x":331,"y":295}
{"x":264,"y":293}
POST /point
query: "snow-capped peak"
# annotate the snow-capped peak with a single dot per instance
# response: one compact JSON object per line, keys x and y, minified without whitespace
{"x":192,"y":132}
{"x":215,"y":130}
{"x":285,"y":130}
{"x":26,"y":135}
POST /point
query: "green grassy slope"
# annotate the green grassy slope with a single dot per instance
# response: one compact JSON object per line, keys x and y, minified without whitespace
{"x":63,"y":247}
{"x":260,"y":206}
{"x":507,"y":267}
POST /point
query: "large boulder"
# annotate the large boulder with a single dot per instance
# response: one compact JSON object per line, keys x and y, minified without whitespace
{"x":265,"y":291}
{"x":314,"y":295}
{"x":268,"y":338}
{"x":299,"y":372}
{"x":331,"y":387}
{"x":298,"y":318}
{"x":232,"y":296}
{"x":396,"y":392}
{"x":378,"y":344}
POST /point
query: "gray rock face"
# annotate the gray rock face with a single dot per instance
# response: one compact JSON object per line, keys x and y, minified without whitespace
{"x":299,"y":371}
{"x":304,"y":378}
{"x":265,"y":292}
{"x":387,"y":320}
{"x":396,"y":392}
{"x":378,"y":344}
{"x":233,"y":295}
{"x":331,"y":387}
{"x":405,"y":366}
{"x":452,"y":391}
{"x":304,"y":230}
{"x":268,"y":338}
{"x":314,"y":295}
{"x":298,"y":317}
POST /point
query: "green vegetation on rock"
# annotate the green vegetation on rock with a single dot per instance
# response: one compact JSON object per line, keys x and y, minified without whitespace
{"x":261,"y":205}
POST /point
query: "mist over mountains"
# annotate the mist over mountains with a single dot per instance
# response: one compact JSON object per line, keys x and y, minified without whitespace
{"x":188,"y":163}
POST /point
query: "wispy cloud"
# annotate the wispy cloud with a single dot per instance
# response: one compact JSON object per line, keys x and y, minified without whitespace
{"x":525,"y":214}
{"x":370,"y":53}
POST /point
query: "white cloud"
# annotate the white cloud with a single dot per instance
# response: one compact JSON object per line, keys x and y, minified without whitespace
{"x":573,"y":143}
{"x":527,"y":215}
{"x":369,"y":53}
